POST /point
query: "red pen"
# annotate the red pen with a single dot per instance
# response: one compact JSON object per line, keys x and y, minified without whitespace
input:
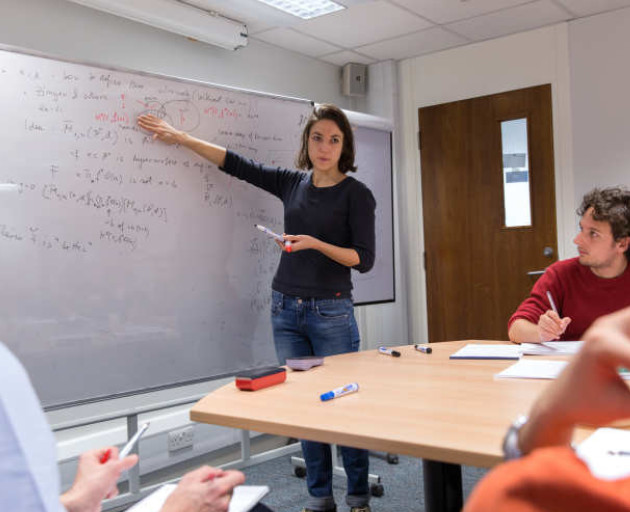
{"x":106,"y":455}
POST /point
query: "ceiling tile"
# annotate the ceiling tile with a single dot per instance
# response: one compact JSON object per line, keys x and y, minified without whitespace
{"x":363,"y":24}
{"x":446,"y":11}
{"x":419,"y":43}
{"x":399,"y":28}
{"x":342,"y":58}
{"x":510,"y":21}
{"x":297,"y":42}
{"x":589,"y":7}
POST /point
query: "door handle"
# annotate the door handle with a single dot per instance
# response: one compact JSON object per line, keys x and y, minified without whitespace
{"x":535,"y":273}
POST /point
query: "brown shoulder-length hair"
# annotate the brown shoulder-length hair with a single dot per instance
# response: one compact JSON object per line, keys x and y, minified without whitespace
{"x":335,"y":114}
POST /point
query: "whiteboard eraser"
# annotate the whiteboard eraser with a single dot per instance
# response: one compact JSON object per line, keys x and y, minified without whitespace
{"x":260,"y":378}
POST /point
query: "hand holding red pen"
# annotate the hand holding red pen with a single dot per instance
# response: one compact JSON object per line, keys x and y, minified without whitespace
{"x":96,"y":480}
{"x":105,"y":456}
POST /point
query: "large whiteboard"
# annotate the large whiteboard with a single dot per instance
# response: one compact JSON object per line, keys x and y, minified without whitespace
{"x":126,"y":264}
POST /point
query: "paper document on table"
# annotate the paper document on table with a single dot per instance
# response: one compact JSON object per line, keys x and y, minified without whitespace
{"x":606,"y":452}
{"x":533,"y":369}
{"x":551,"y":348}
{"x":481,"y":351}
{"x":542,"y":369}
{"x":244,"y":498}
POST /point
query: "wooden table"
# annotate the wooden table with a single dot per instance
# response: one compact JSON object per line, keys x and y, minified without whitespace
{"x":422,"y":405}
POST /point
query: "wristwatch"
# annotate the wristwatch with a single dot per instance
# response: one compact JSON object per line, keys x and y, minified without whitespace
{"x":511,"y":449}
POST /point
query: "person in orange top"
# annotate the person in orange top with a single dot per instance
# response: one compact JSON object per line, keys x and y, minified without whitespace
{"x":550,"y":476}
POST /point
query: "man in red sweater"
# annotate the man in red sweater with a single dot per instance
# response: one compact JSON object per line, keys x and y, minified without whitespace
{"x":550,"y":476}
{"x":584,"y":288}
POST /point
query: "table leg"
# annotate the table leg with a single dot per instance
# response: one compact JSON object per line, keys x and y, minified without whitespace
{"x":442,"y":486}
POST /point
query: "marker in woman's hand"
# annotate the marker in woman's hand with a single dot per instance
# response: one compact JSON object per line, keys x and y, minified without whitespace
{"x":279,"y":238}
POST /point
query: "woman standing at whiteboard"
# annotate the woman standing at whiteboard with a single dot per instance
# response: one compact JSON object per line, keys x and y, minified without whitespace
{"x":332,"y":218}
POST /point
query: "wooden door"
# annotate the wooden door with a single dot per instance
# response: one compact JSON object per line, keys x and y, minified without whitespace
{"x":476,"y":267}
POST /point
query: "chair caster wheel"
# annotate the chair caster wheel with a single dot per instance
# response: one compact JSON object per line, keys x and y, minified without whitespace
{"x":377,"y":490}
{"x":391,"y":458}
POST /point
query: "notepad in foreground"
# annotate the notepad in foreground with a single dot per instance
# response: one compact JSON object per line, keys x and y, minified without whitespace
{"x":541,"y":369}
{"x":533,"y":369}
{"x":244,"y":498}
{"x":605,"y":453}
{"x":482,"y":351}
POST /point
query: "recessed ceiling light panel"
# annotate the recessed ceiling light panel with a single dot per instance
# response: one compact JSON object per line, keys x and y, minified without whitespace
{"x":305,"y":9}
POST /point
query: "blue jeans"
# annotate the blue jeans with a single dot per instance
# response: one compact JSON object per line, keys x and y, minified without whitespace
{"x":321,"y":327}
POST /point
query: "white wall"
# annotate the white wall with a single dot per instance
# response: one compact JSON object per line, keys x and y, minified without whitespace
{"x":600,"y":100}
{"x":504,"y":64}
{"x":387,"y":323}
{"x":584,"y":62}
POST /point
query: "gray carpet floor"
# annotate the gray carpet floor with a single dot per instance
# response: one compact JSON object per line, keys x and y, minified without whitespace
{"x":402,"y":482}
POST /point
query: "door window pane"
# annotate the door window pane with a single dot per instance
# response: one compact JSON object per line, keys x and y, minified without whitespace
{"x":516,"y":198}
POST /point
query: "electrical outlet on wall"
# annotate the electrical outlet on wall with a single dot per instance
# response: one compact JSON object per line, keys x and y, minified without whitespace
{"x":181,"y":438}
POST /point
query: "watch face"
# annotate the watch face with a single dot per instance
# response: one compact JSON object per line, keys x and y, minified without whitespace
{"x":511,"y":449}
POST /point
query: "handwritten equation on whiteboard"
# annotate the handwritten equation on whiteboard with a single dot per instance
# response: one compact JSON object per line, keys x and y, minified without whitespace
{"x":84,"y":177}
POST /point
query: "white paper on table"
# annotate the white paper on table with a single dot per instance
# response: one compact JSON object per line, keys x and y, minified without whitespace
{"x":482,"y":351}
{"x":594,"y":451}
{"x":551,"y":348}
{"x":533,"y":369}
{"x":243,"y":499}
{"x":541,"y":369}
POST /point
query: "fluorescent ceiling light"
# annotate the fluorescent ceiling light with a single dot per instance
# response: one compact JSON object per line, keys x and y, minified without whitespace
{"x":305,"y":9}
{"x":177,"y":17}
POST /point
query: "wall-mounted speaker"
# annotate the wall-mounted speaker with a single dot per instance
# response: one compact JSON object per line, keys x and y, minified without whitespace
{"x":354,"y":79}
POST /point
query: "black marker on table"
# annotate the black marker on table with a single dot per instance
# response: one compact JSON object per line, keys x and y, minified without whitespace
{"x":423,"y":348}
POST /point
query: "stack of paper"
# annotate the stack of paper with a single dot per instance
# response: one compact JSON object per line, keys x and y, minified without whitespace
{"x":551,"y":348}
{"x":533,"y":369}
{"x":542,"y":369}
{"x":243,"y":499}
{"x":481,"y":351}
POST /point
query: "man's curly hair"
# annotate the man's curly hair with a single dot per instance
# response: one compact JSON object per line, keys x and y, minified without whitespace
{"x":610,"y":205}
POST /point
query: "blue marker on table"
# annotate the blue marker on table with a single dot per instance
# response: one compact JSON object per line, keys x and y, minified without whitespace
{"x":335,"y":393}
{"x":280,"y":238}
{"x":388,"y":352}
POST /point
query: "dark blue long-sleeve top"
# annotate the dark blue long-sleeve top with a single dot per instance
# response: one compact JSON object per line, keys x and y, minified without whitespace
{"x":341,"y":215}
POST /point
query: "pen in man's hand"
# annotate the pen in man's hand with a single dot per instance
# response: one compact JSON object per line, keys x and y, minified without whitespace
{"x":552,"y":303}
{"x":136,"y":437}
